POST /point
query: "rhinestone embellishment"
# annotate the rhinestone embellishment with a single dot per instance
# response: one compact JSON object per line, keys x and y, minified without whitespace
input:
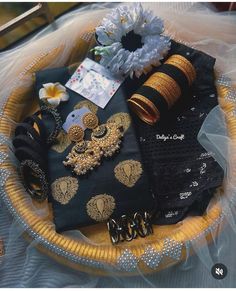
{"x":4,"y":174}
{"x":225,"y":81}
{"x":3,"y":157}
{"x":172,"y":249}
{"x":127,"y":261}
{"x":231,"y":96}
{"x":151,"y":257}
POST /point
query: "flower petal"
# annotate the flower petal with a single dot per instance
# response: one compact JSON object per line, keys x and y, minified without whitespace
{"x":42,"y":93}
{"x":60,"y":87}
{"x":64,"y":96}
{"x":48,"y":86}
{"x":54,"y":101}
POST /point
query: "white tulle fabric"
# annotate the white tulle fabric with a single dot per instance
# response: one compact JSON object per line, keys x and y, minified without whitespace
{"x":198,"y":26}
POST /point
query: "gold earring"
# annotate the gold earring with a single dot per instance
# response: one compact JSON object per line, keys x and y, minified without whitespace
{"x":84,"y":156}
{"x":90,"y":120}
{"x":108,"y":138}
{"x":76,"y":133}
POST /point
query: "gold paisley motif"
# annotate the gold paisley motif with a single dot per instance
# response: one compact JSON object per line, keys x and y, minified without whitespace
{"x":101,"y":207}
{"x":128,"y":172}
{"x":64,"y":189}
{"x":62,"y":142}
{"x":121,"y":119}
{"x":85,"y":103}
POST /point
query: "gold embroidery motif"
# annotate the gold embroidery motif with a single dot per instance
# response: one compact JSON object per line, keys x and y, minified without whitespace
{"x":62,"y":142}
{"x":121,"y":119}
{"x":85,"y":103}
{"x":128,"y":172}
{"x":101,"y":207}
{"x":64,"y":189}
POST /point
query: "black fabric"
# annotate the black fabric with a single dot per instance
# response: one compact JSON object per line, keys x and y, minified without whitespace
{"x":35,"y":119}
{"x":176,"y":74}
{"x":101,"y":180}
{"x":29,"y":130}
{"x":25,"y":141}
{"x":25,"y":153}
{"x":174,"y":167}
{"x":182,"y":175}
{"x":155,"y":97}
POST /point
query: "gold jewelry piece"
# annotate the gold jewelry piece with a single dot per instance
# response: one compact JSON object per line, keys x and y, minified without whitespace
{"x":165,"y":85}
{"x":184,"y":65}
{"x":144,"y":108}
{"x":105,"y":141}
{"x":168,"y":88}
{"x":90,"y":120}
{"x":76,"y":133}
{"x":184,"y":68}
{"x":107,"y":137}
{"x":84,"y":156}
{"x":147,"y":105}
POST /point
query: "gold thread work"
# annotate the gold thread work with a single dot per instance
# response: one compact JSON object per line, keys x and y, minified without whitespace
{"x":64,"y":189}
{"x":121,"y":119}
{"x":128,"y":172}
{"x":85,"y":103}
{"x":61,"y":143}
{"x":100,"y":207}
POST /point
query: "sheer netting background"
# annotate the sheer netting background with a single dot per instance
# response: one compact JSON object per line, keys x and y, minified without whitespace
{"x":200,"y":27}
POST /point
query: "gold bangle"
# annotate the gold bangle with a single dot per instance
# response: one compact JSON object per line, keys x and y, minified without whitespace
{"x":148,"y":103}
{"x":183,"y":64}
{"x":168,"y":81}
{"x":142,"y":113}
{"x":182,"y":60}
{"x":165,"y":85}
{"x":144,"y":108}
{"x":171,"y":85}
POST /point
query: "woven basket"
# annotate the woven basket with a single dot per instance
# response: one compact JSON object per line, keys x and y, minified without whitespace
{"x":168,"y":243}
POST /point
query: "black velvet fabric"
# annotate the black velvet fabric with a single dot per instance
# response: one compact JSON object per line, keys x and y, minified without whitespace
{"x":101,"y":180}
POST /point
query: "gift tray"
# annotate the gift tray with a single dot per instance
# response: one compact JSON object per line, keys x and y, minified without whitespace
{"x":95,"y":254}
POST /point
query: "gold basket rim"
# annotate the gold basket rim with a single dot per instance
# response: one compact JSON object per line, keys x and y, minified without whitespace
{"x":66,"y":249}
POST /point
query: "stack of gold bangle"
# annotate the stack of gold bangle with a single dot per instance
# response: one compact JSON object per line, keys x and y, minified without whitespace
{"x":161,"y":91}
{"x":184,"y":65}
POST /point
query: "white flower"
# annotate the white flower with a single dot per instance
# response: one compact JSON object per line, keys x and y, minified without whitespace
{"x":53,"y":93}
{"x":121,"y":30}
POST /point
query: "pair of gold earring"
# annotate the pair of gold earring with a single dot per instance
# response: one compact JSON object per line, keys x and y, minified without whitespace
{"x":87,"y":154}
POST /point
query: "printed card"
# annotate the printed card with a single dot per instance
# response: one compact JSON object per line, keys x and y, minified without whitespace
{"x":94,"y":82}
